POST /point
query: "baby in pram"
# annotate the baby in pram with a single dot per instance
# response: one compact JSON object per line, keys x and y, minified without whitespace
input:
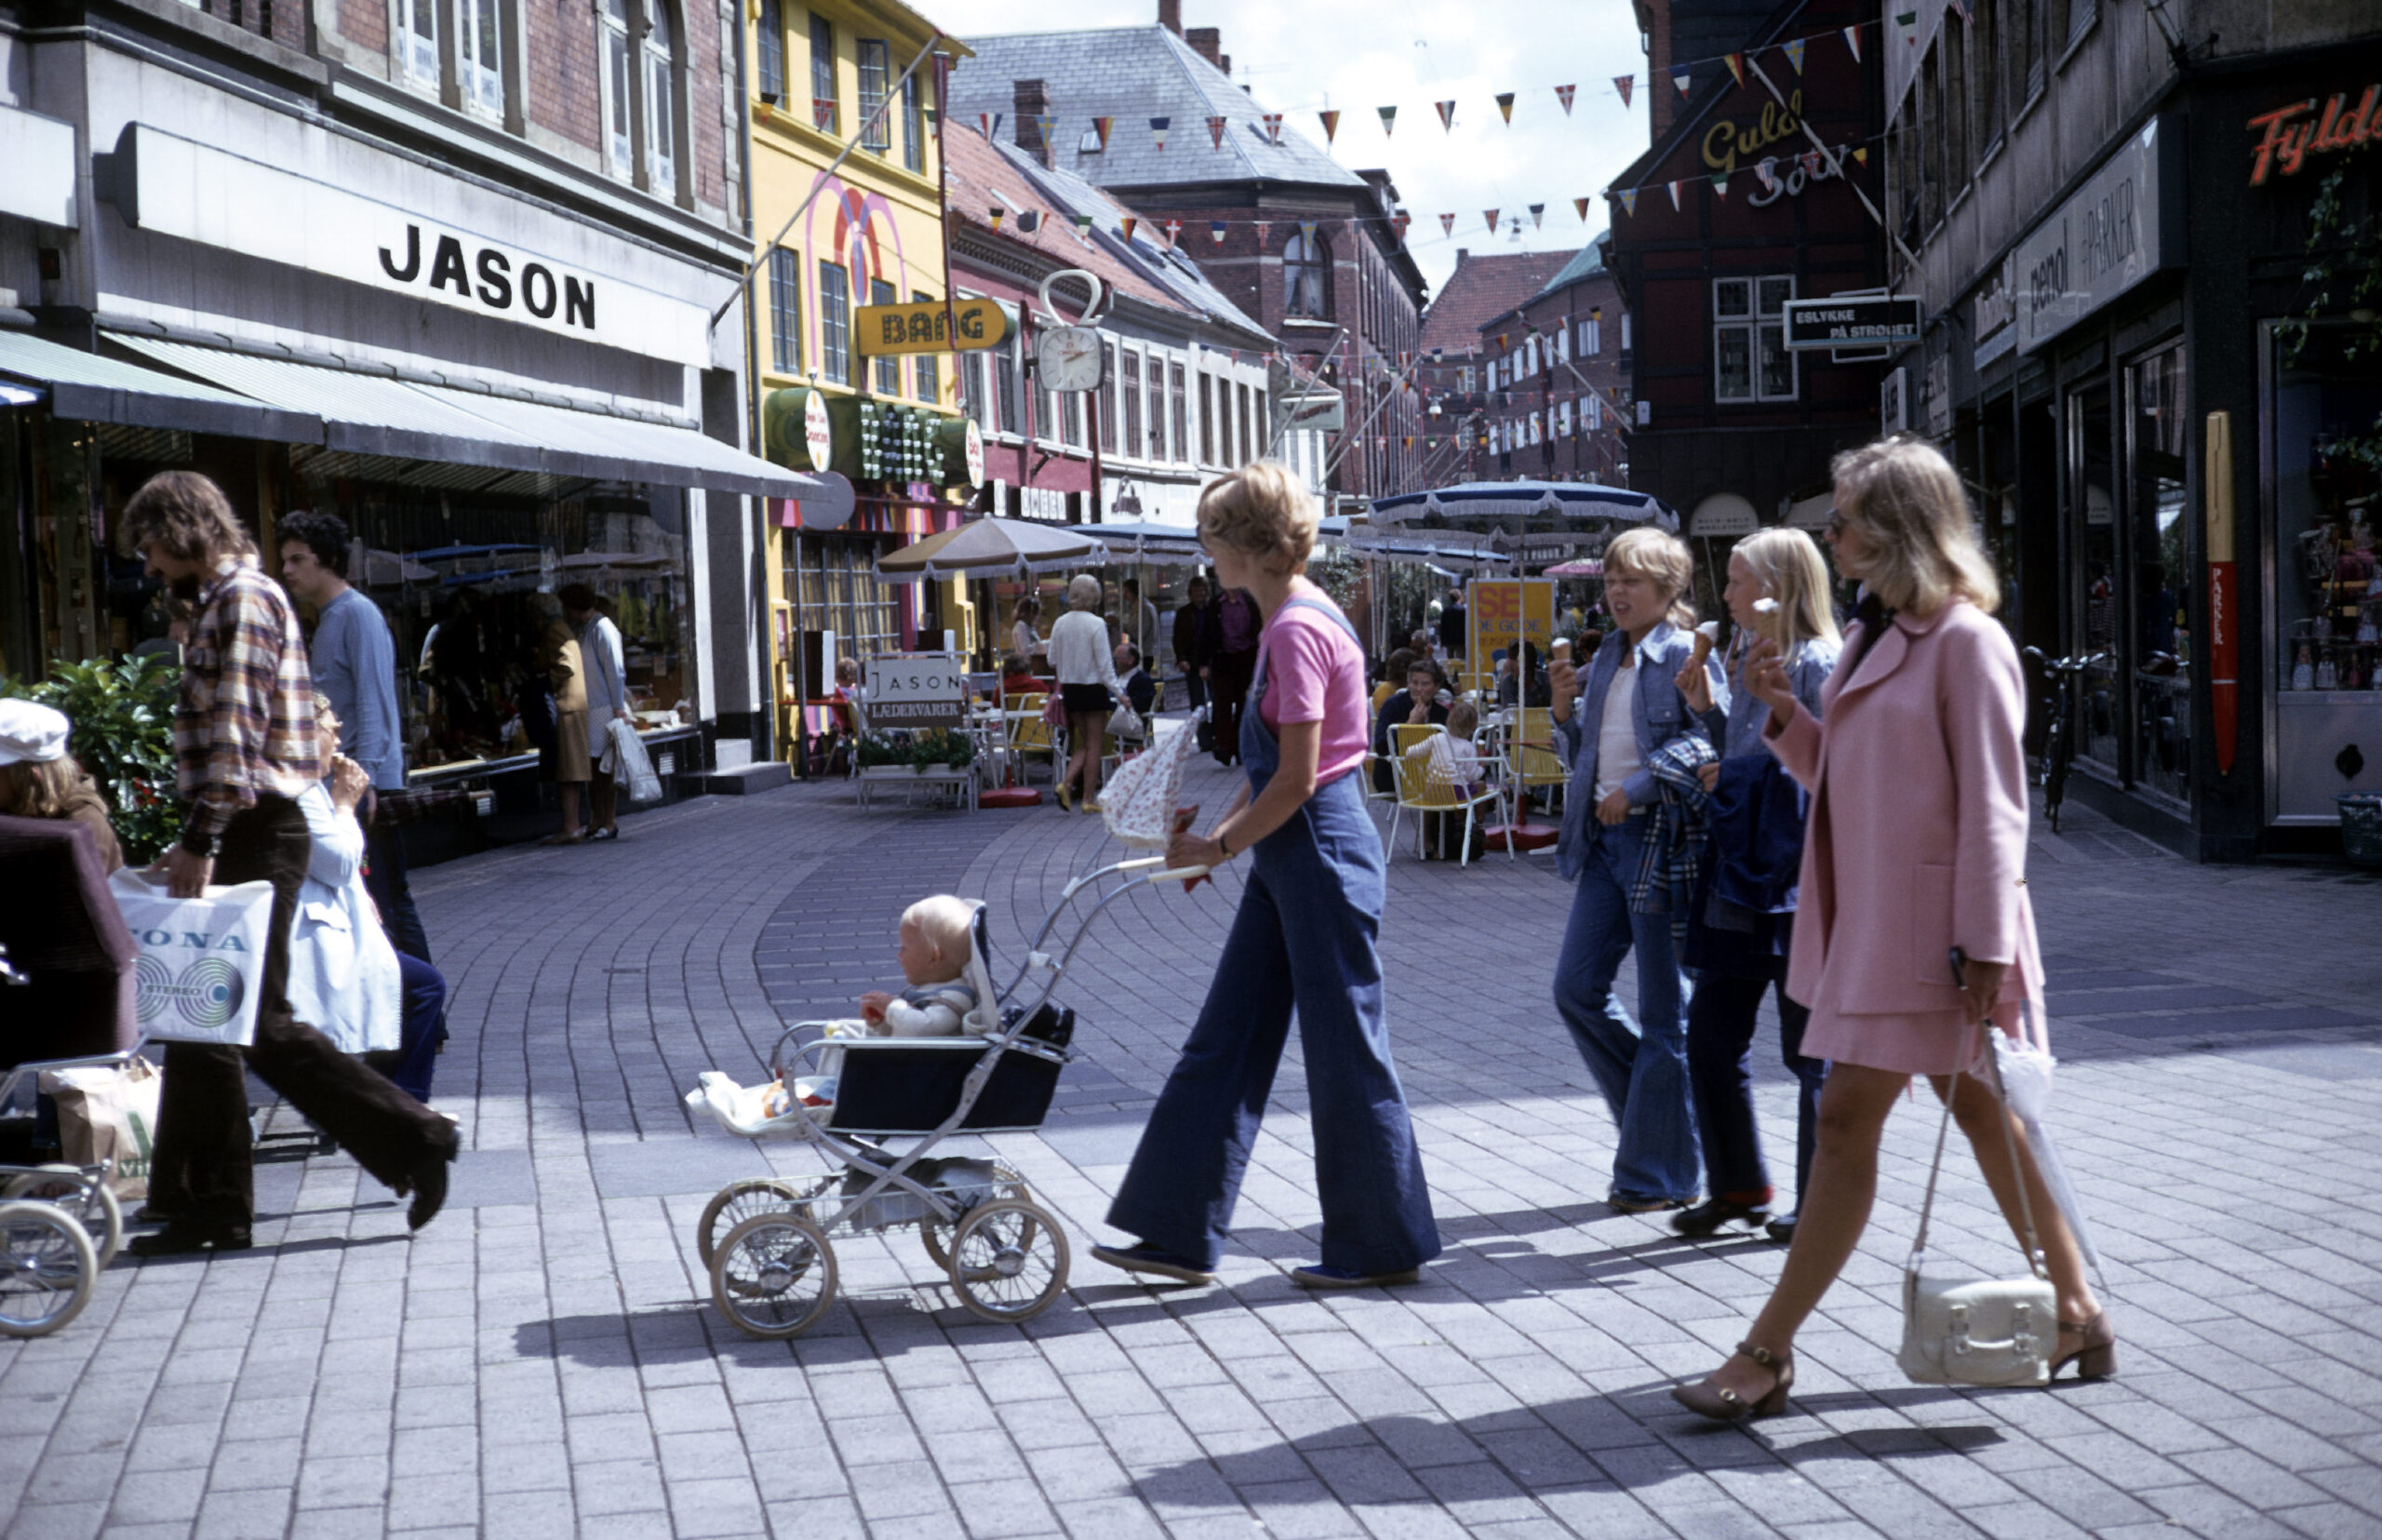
{"x":933,"y":950}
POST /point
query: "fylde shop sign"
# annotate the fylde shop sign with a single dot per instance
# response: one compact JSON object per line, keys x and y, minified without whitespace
{"x":2286,"y":137}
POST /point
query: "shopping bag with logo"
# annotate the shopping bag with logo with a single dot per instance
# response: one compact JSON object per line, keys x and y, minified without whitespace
{"x":202,"y":959}
{"x":108,"y":1114}
{"x":626,"y":761}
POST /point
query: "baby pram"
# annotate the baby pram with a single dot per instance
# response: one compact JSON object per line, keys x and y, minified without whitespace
{"x":766,"y":1242}
{"x":58,"y":1224}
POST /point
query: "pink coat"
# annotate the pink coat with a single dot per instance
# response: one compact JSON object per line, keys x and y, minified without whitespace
{"x":1918,"y":834}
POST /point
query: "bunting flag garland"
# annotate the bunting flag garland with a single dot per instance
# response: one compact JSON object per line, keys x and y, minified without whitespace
{"x":1506,"y":105}
{"x":1126,"y":224}
{"x":1564,"y":94}
{"x":1582,"y":206}
{"x":1216,"y":231}
{"x":1628,"y":203}
{"x":1331,"y":125}
{"x":1263,"y":227}
{"x":1538,"y":215}
{"x":1447,"y":117}
{"x":1737,"y":63}
{"x":987,"y":122}
{"x":997,"y":211}
{"x":1860,"y":156}
{"x":1273,"y":127}
{"x":1491,"y":215}
{"x":1083,"y":225}
{"x":1720,"y":183}
{"x":1623,"y":82}
{"x":1674,"y":199}
{"x":1158,"y":130}
{"x":1768,"y":178}
{"x":1397,"y":224}
{"x":1447,"y":224}
{"x":1388,"y":119}
{"x":1173,"y":230}
{"x":1909,"y":22}
{"x":1680,"y":80}
{"x":1102,"y":126}
{"x":1852,"y":41}
{"x":1216,"y":130}
{"x":1795,"y":54}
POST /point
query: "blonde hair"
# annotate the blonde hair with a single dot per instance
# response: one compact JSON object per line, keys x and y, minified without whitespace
{"x":1463,"y":718}
{"x":1905,"y":495}
{"x":1262,"y":511}
{"x":41,"y":788}
{"x":949,"y":924}
{"x":1648,"y":553}
{"x":1083,"y":591}
{"x":1787,"y":564}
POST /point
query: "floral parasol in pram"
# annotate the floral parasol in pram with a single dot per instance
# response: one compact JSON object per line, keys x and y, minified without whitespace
{"x":1141,"y":802}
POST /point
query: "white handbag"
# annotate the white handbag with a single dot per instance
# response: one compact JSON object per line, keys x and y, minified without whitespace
{"x":1989,"y":1332}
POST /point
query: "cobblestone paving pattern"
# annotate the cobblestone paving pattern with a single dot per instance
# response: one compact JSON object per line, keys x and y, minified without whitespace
{"x":543,"y":1360}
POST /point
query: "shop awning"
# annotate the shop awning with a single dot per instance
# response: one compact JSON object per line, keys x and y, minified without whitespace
{"x":91,"y":389}
{"x":395,"y":419}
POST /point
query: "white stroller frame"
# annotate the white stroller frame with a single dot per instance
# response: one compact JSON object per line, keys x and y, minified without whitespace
{"x":58,"y":1224}
{"x":766,"y":1242}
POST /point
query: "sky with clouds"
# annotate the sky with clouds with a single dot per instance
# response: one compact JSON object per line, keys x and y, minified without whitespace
{"x":1299,"y":56}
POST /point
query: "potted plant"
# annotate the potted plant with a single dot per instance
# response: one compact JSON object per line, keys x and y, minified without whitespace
{"x":123,"y":735}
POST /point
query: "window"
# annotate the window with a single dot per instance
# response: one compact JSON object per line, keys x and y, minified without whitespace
{"x":1257,"y":415}
{"x":1626,"y":340}
{"x":661,"y":97}
{"x":1247,"y":453}
{"x":1207,"y":421}
{"x":770,"y":53}
{"x":1004,"y":387}
{"x":1592,"y":335}
{"x":826,"y":105}
{"x":1749,"y":357}
{"x":835,"y":323}
{"x":1157,"y":408}
{"x":1179,"y":394}
{"x":970,"y":369}
{"x":1306,"y":277}
{"x":875,"y":80}
{"x":786,"y":312}
{"x":1108,"y":400}
{"x":1134,"y":405}
{"x":1563,"y":419}
{"x":1984,"y":81}
{"x":1956,"y":102}
{"x":2025,"y":79}
{"x":1927,"y":130}
{"x":885,"y":369}
{"x":1071,"y":415}
{"x":418,"y":40}
{"x":620,"y":142}
{"x":479,"y":53}
{"x":914,"y":128}
{"x":928,"y":371}
{"x":1596,"y":414}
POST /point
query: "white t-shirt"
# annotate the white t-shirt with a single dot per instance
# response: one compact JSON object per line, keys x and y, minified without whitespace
{"x":1617,"y":757}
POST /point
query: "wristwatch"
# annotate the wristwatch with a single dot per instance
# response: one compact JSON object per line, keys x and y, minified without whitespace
{"x":1224,"y":848}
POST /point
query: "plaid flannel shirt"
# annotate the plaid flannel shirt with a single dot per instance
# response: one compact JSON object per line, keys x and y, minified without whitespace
{"x":246,"y":723}
{"x":1672,"y":853}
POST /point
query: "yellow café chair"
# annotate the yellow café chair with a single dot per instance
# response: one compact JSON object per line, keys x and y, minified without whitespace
{"x":1426,"y":794}
{"x":1032,"y":734}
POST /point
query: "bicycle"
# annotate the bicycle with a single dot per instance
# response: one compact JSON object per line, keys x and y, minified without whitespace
{"x":2059,"y":735}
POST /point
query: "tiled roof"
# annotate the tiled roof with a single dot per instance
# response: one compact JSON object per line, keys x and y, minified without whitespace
{"x":983,"y":178}
{"x":1587,"y":264}
{"x":1134,"y":75}
{"x":1481,"y":287}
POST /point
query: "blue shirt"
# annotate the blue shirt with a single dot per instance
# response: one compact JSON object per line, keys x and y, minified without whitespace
{"x":354,"y":663}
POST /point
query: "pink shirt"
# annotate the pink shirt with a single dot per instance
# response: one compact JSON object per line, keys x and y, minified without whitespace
{"x":1316,"y":673}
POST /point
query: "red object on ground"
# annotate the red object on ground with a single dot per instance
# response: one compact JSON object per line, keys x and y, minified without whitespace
{"x":1523,"y":837}
{"x":1010,"y":796}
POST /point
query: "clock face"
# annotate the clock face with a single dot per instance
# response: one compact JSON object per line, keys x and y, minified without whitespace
{"x":1070,"y":358}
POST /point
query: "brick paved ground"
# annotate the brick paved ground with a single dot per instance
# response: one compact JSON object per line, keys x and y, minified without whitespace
{"x":541,"y":1361}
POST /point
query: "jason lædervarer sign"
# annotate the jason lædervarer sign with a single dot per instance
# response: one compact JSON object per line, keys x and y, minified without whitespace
{"x":174,"y":186}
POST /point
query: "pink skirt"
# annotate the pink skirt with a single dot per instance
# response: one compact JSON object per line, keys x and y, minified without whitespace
{"x":1911,"y":1042}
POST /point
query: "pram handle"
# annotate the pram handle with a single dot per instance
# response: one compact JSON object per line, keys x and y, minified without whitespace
{"x":1179,"y":873}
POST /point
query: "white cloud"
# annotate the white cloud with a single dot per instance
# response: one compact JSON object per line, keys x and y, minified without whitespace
{"x":1302,"y":56}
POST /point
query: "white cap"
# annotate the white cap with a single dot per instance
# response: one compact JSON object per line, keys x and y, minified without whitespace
{"x":31,"y":731}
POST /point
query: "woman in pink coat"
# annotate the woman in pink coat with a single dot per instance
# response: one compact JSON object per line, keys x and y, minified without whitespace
{"x":1916,"y":844}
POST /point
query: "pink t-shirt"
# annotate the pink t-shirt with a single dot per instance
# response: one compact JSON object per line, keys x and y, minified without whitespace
{"x":1316,"y":673}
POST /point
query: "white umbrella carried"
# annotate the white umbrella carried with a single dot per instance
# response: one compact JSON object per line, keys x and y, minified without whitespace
{"x":989,"y":548}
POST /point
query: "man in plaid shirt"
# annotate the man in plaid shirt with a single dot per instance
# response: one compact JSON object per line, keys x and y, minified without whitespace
{"x":246,"y":748}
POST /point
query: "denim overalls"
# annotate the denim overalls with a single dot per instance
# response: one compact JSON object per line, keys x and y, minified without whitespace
{"x":1305,"y":937}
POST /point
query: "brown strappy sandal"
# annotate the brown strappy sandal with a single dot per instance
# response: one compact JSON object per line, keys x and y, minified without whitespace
{"x":1707,"y":1400}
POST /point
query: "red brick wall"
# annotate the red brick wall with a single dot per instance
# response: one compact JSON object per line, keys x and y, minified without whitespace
{"x":565,"y":95}
{"x":364,"y":24}
{"x":704,"y":133}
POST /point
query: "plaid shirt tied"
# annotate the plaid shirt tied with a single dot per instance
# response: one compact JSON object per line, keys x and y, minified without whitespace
{"x":1671,"y":855}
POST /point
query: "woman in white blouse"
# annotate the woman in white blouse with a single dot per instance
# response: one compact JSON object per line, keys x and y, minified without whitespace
{"x":1088,"y":684}
{"x":1021,"y":638}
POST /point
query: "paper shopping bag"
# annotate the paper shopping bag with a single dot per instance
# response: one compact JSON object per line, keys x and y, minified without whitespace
{"x":108,"y":1114}
{"x":202,"y":959}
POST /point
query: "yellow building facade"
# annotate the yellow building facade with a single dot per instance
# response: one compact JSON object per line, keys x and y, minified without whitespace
{"x":873,"y":234}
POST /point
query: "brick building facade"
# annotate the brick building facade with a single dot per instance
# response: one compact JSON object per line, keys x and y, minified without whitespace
{"x":1457,"y":400}
{"x":1558,"y":368}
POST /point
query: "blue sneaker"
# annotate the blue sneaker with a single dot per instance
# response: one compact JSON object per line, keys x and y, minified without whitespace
{"x":1320,"y":1276}
{"x":1156,"y":1261}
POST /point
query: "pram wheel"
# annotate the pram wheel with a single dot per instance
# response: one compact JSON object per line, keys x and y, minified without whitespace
{"x":774,"y":1275}
{"x":935,"y":1235}
{"x":739,"y":1201}
{"x":93,"y":1203}
{"x":48,"y":1268}
{"x":1009,"y":1260}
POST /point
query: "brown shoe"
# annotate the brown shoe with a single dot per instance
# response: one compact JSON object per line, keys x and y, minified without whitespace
{"x":1707,"y":1400}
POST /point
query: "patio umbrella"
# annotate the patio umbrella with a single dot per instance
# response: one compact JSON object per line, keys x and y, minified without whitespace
{"x":388,"y":568}
{"x":989,"y":547}
{"x":1528,"y":519}
{"x":1151,"y":541}
{"x":1591,"y":567}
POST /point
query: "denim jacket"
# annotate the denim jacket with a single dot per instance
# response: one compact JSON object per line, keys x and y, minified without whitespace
{"x":1658,"y":713}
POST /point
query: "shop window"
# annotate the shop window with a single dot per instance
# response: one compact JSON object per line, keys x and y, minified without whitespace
{"x":827,"y":102}
{"x":875,"y":80}
{"x":928,"y":365}
{"x":835,"y":323}
{"x":479,"y":54}
{"x":1307,"y":277}
{"x":2093,"y":522}
{"x":1178,"y":395}
{"x":914,"y":127}
{"x":2159,"y":672}
{"x":786,"y":312}
{"x":769,"y":52}
{"x":1749,"y":357}
{"x":661,"y":104}
{"x":620,"y":140}
{"x":886,"y":368}
{"x":417,"y":30}
{"x":1158,"y":407}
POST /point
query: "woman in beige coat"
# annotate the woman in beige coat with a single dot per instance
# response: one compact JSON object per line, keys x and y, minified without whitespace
{"x":1916,"y":844}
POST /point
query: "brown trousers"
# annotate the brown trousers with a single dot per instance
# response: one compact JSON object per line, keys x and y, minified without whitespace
{"x":202,"y":1174}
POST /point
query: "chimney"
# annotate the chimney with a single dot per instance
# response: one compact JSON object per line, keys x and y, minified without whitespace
{"x":1460,"y":255}
{"x":1208,"y":43}
{"x":1224,"y":63}
{"x":1169,"y":16}
{"x":1030,"y":104}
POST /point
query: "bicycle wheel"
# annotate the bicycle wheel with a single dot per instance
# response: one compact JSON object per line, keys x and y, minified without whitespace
{"x":774,"y":1275}
{"x":1009,"y":1261}
{"x":93,"y":1203}
{"x":2055,"y":777}
{"x":48,"y":1268}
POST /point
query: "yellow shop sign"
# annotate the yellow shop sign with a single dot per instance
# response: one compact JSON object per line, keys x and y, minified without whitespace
{"x":929,"y":326}
{"x":1726,"y":140}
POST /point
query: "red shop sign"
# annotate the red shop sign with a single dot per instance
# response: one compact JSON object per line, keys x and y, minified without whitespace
{"x":2289,"y":135}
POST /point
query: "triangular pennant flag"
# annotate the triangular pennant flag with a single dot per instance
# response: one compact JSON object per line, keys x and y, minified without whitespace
{"x":1909,"y":22}
{"x":1050,"y":126}
{"x":997,"y":211}
{"x":1388,"y":120}
{"x":1852,"y":41}
{"x":1398,"y":222}
{"x":1447,"y":115}
{"x":1102,"y":126}
{"x":1263,"y":227}
{"x":1331,"y":125}
{"x":1720,"y":183}
{"x":1126,"y":224}
{"x":1795,"y":54}
{"x":1083,"y":225}
{"x":1306,"y":228}
{"x":1564,"y":94}
{"x":1447,"y":224}
{"x":1674,"y":197}
{"x":984,"y":122}
{"x":1737,"y":63}
{"x":1216,"y":130}
{"x":1581,"y":205}
{"x":1491,"y":215}
{"x":1628,"y":203}
{"x":1216,"y":231}
{"x":1681,"y":81}
{"x":1506,"y":105}
{"x":1407,"y":442}
{"x":1860,"y":156}
{"x":1538,"y":215}
{"x":1623,"y":82}
{"x":1273,"y":127}
{"x":1028,"y":220}
{"x":1769,"y":178}
{"x":1158,"y":130}
{"x":1173,"y":230}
